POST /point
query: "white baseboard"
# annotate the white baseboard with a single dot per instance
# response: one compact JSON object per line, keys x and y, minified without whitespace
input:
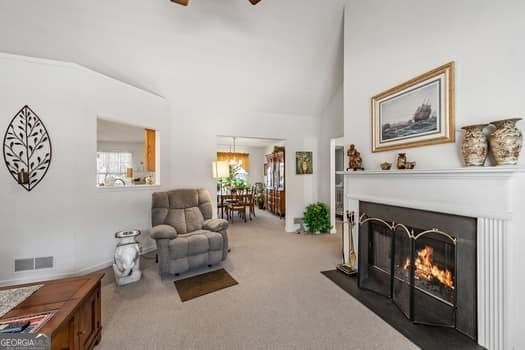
{"x":292,"y":228}
{"x":54,"y":276}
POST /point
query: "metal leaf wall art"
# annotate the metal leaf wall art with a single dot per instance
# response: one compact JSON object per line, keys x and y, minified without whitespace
{"x":27,"y":148}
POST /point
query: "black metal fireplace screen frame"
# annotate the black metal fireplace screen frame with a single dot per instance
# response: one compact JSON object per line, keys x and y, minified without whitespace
{"x":393,"y":227}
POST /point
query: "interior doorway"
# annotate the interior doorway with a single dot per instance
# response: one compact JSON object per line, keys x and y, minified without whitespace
{"x":254,"y":177}
{"x":337,"y":191}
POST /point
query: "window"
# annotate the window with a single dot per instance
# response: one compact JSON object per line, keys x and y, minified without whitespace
{"x":113,"y":164}
{"x":127,"y":155}
{"x":242,"y":159}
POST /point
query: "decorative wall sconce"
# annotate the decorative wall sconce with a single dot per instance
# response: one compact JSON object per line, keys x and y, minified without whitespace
{"x":23,"y":177}
{"x":27,"y":148}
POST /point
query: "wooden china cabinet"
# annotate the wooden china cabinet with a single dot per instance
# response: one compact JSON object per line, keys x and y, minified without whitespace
{"x":274,"y":170}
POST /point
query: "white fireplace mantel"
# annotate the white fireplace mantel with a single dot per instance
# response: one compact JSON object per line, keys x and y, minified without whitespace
{"x":466,"y":171}
{"x":492,"y":195}
{"x":474,"y":192}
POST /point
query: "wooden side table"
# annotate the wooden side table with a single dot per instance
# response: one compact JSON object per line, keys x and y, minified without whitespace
{"x":77,"y":323}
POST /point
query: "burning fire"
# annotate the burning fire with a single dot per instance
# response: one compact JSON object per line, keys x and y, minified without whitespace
{"x":425,"y":268}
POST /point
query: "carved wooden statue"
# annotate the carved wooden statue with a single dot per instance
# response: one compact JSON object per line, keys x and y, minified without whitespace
{"x":354,"y":159}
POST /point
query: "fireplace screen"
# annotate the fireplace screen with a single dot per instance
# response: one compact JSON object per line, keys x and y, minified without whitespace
{"x":402,"y":282}
{"x":416,"y":268}
{"x":375,"y":260}
{"x":434,"y":266}
{"x":429,"y":274}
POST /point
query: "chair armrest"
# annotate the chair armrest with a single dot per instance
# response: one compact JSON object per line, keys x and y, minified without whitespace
{"x":163,"y":232}
{"x":215,"y":225}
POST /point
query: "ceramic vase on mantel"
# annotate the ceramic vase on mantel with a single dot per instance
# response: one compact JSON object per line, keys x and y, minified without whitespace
{"x":475,"y":145}
{"x":506,"y":141}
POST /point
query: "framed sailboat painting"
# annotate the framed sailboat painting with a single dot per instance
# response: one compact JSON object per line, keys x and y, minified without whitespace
{"x":419,"y":112}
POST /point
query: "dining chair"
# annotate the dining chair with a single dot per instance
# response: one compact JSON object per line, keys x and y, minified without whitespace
{"x":221,"y":205}
{"x":237,"y":205}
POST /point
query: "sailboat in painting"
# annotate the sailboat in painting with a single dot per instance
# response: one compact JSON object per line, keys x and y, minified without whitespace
{"x":424,"y":120}
{"x":423,"y":112}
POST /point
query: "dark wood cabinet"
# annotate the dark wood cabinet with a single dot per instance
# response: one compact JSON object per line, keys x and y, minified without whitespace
{"x":77,"y":323}
{"x":275,"y":194}
{"x":88,"y":327}
{"x":276,"y":202}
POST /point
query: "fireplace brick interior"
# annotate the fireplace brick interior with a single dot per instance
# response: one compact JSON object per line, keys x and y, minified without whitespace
{"x":430,"y":276}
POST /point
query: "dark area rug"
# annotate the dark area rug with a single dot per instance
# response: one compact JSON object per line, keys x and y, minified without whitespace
{"x":426,"y":337}
{"x":197,"y":286}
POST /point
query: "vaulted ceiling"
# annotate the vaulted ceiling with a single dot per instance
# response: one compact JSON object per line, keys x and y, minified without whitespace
{"x":282,"y":56}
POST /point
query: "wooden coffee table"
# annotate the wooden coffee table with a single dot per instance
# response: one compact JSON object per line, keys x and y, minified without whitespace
{"x":77,"y":321}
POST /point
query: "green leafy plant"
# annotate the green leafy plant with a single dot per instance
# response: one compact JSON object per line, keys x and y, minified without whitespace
{"x":234,"y":181}
{"x":317,"y":218}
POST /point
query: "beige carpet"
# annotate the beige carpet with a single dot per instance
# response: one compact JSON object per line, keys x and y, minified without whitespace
{"x":282,"y":301}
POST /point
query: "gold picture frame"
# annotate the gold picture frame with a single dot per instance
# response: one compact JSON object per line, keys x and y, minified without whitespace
{"x":304,"y":163}
{"x":419,"y":112}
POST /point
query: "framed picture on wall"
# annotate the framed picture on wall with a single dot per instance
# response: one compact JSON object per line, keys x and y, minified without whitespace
{"x":303,"y":163}
{"x":419,"y":112}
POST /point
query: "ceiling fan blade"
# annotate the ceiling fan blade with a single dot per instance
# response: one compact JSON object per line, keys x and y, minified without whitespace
{"x":254,"y":2}
{"x":181,"y":2}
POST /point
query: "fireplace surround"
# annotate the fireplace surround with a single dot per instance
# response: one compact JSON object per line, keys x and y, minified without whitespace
{"x":491,"y":195}
{"x":424,"y":261}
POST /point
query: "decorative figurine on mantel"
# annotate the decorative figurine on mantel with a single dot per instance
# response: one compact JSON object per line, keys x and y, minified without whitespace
{"x":403,"y":163}
{"x":127,"y":258}
{"x":386,"y":166}
{"x":354,"y":159}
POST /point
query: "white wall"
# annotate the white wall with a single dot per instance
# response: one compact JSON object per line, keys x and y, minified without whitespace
{"x":256,"y":171}
{"x":66,"y":216}
{"x":331,"y":126}
{"x":387,"y":43}
{"x":194,"y":138}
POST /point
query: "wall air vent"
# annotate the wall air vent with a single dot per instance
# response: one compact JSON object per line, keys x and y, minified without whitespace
{"x":45,"y":262}
{"x":24,"y":264}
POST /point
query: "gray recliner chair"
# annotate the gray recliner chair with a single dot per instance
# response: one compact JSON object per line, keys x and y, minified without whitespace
{"x":186,"y":235}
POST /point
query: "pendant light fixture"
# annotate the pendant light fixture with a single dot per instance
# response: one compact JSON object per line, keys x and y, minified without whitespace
{"x":233,"y":156}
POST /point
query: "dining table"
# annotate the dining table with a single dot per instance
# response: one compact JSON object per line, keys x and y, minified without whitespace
{"x":226,"y":199}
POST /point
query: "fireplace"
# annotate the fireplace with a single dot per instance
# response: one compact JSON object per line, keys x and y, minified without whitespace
{"x":425,"y":262}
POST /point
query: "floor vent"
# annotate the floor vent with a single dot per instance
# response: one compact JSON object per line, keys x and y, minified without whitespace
{"x":45,"y":262}
{"x":300,"y":222}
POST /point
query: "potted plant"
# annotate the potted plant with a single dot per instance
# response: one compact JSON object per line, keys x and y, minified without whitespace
{"x":317,"y":218}
{"x":259,"y":194}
